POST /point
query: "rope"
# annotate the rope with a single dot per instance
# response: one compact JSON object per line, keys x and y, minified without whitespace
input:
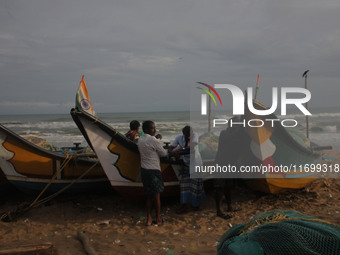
{"x":62,"y":166}
{"x":22,"y":209}
{"x":44,"y":200}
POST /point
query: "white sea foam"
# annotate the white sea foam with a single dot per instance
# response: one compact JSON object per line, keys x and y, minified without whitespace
{"x":61,"y":131}
{"x":42,"y":125}
{"x":330,"y":129}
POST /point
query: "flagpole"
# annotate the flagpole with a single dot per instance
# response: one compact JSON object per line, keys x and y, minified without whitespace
{"x":307,"y":123}
{"x":257,"y":85}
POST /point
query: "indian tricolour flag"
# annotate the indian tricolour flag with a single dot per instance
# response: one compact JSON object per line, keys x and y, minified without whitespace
{"x":82,"y":98}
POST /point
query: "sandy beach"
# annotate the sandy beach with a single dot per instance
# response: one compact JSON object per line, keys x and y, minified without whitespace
{"x":114,"y":225}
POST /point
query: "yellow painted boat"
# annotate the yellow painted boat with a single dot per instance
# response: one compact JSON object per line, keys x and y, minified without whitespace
{"x":273,"y":145}
{"x":30,"y":168}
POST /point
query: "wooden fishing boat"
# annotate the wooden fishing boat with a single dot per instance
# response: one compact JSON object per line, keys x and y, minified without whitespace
{"x":272,"y":145}
{"x":120,"y":158}
{"x":5,"y":185}
{"x":30,"y":168}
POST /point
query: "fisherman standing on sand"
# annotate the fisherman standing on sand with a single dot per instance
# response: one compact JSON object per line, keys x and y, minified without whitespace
{"x":151,"y":149}
{"x":227,"y":154}
{"x":191,"y":189}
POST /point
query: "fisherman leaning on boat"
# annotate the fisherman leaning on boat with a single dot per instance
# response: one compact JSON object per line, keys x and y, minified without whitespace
{"x":133,"y":134}
{"x":151,"y":149}
{"x":191,"y":189}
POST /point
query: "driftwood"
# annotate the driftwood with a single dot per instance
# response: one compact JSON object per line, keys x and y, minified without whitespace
{"x":41,"y":249}
{"x":86,"y":243}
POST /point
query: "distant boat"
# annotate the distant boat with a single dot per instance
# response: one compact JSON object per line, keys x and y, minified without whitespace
{"x":120,"y":157}
{"x":29,"y":167}
{"x":274,"y":145}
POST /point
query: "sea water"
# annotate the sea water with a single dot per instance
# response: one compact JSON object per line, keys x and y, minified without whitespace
{"x":61,"y":131}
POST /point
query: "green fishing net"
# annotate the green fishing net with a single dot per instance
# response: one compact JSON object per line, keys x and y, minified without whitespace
{"x":281,"y":232}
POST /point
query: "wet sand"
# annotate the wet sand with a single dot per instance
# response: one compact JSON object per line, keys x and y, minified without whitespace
{"x":114,"y":225}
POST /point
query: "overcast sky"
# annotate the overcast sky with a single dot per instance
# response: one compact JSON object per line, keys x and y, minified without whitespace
{"x":146,"y":55}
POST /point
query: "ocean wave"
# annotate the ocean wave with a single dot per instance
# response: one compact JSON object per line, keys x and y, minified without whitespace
{"x":42,"y":125}
{"x":60,"y":140}
{"x":62,"y":131}
{"x":328,"y":129}
{"x":314,"y":115}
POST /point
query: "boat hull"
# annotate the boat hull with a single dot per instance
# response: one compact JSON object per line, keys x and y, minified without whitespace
{"x":120,"y":158}
{"x":273,"y":146}
{"x":30,"y":167}
{"x":36,"y":185}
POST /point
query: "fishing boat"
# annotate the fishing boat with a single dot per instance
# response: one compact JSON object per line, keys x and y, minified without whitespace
{"x":271,"y":156}
{"x":5,"y":186}
{"x":120,"y":158}
{"x":284,"y":151}
{"x":30,"y":168}
{"x":264,"y":145}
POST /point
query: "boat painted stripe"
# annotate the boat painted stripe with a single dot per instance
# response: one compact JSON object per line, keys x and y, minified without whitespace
{"x":263,"y":151}
{"x":138,"y":184}
{"x":6,"y":156}
{"x":292,"y":175}
{"x":259,"y":134}
{"x":38,"y":180}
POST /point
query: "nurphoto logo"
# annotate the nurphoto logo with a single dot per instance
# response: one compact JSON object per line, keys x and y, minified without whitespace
{"x":238,"y":98}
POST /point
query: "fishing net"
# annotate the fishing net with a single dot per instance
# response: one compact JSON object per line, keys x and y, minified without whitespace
{"x":281,"y":232}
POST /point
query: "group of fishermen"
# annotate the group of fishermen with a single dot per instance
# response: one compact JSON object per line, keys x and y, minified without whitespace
{"x":185,"y":146}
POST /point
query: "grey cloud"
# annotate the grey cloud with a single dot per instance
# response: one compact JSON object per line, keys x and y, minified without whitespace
{"x":134,"y":52}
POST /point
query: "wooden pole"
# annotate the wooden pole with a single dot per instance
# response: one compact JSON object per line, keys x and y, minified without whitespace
{"x":209,"y":113}
{"x":36,"y":249}
{"x":86,"y":243}
{"x":307,"y":121}
{"x":257,"y":85}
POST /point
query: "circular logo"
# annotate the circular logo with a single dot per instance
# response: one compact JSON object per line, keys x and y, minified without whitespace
{"x":85,"y":104}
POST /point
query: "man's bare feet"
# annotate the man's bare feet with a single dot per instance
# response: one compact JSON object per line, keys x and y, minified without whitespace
{"x":233,"y":209}
{"x":148,"y":222}
{"x":224,"y":216}
{"x":160,"y":222}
